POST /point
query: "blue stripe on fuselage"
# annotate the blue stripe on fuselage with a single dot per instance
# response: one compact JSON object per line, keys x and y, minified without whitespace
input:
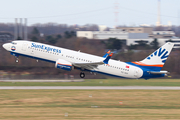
{"x":146,"y":74}
{"x":17,"y":54}
{"x":152,"y":68}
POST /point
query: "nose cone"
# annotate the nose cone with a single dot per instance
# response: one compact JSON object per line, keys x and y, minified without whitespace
{"x":6,"y":46}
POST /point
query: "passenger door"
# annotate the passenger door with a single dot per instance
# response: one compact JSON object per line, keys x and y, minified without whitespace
{"x":24,"y":46}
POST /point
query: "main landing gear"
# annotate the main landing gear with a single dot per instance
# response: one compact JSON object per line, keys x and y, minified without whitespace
{"x":82,"y":75}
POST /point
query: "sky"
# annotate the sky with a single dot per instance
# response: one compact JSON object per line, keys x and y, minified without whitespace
{"x":81,"y":12}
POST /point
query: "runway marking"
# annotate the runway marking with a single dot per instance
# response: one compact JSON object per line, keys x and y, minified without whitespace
{"x":92,"y":87}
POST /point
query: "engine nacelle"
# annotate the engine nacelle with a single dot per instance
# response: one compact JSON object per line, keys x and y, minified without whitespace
{"x":63,"y":64}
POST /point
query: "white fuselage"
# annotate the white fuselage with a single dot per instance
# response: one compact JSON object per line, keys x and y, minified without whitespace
{"x":114,"y":67}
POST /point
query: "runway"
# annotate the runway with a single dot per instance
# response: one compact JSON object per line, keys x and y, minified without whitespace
{"x":40,"y":80}
{"x":89,"y":88}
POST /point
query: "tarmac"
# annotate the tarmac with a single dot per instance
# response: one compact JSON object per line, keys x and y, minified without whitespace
{"x":82,"y":87}
{"x":41,"y":80}
{"x":90,"y":87}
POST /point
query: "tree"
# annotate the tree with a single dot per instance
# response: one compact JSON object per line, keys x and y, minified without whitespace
{"x":35,"y":35}
{"x":51,"y":39}
{"x":68,"y":34}
{"x":34,"y":38}
{"x":35,"y":31}
{"x":19,"y":38}
{"x":73,"y":33}
{"x":155,"y":44}
{"x":58,"y":36}
{"x":142,"y":44}
{"x":114,"y":43}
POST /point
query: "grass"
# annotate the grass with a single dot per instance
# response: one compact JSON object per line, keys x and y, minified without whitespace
{"x":89,"y":104}
{"x":101,"y":82}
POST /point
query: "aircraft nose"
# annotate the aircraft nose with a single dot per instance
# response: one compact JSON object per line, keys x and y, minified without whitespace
{"x":6,"y":46}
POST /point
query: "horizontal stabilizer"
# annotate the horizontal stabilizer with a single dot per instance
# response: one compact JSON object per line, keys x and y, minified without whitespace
{"x":157,"y":73}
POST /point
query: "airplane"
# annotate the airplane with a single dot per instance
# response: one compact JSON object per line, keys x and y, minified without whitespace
{"x":69,"y":60}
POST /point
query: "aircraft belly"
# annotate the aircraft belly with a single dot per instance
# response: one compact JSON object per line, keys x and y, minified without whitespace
{"x":113,"y":71}
{"x":132,"y":72}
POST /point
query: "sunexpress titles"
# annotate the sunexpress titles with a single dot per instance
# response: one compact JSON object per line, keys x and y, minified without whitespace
{"x":44,"y":47}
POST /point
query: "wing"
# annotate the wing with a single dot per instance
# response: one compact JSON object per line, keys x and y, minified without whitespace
{"x":88,"y":65}
{"x":92,"y":65}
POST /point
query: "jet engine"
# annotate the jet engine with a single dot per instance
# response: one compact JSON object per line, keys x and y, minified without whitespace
{"x":63,"y":64}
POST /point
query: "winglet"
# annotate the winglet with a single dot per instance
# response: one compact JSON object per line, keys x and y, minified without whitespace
{"x":106,"y":54}
{"x":107,"y":58}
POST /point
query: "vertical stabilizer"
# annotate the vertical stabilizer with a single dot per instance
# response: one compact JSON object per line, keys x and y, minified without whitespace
{"x":157,"y":59}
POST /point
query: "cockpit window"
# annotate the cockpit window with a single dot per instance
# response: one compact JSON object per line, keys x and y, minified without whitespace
{"x":13,"y":43}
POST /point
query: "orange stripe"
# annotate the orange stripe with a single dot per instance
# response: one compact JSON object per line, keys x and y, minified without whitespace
{"x":142,"y":64}
{"x":64,"y":64}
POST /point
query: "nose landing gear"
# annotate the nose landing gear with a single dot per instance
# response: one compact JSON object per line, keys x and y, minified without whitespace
{"x":16,"y":57}
{"x":17,"y":60}
{"x":82,"y":75}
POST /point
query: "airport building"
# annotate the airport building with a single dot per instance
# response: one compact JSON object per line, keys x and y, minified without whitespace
{"x":114,"y":33}
{"x":131,"y":35}
{"x":137,"y":29}
{"x":162,"y":34}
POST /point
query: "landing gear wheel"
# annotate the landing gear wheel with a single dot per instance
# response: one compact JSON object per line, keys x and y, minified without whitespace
{"x":17,"y":60}
{"x":82,"y":75}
